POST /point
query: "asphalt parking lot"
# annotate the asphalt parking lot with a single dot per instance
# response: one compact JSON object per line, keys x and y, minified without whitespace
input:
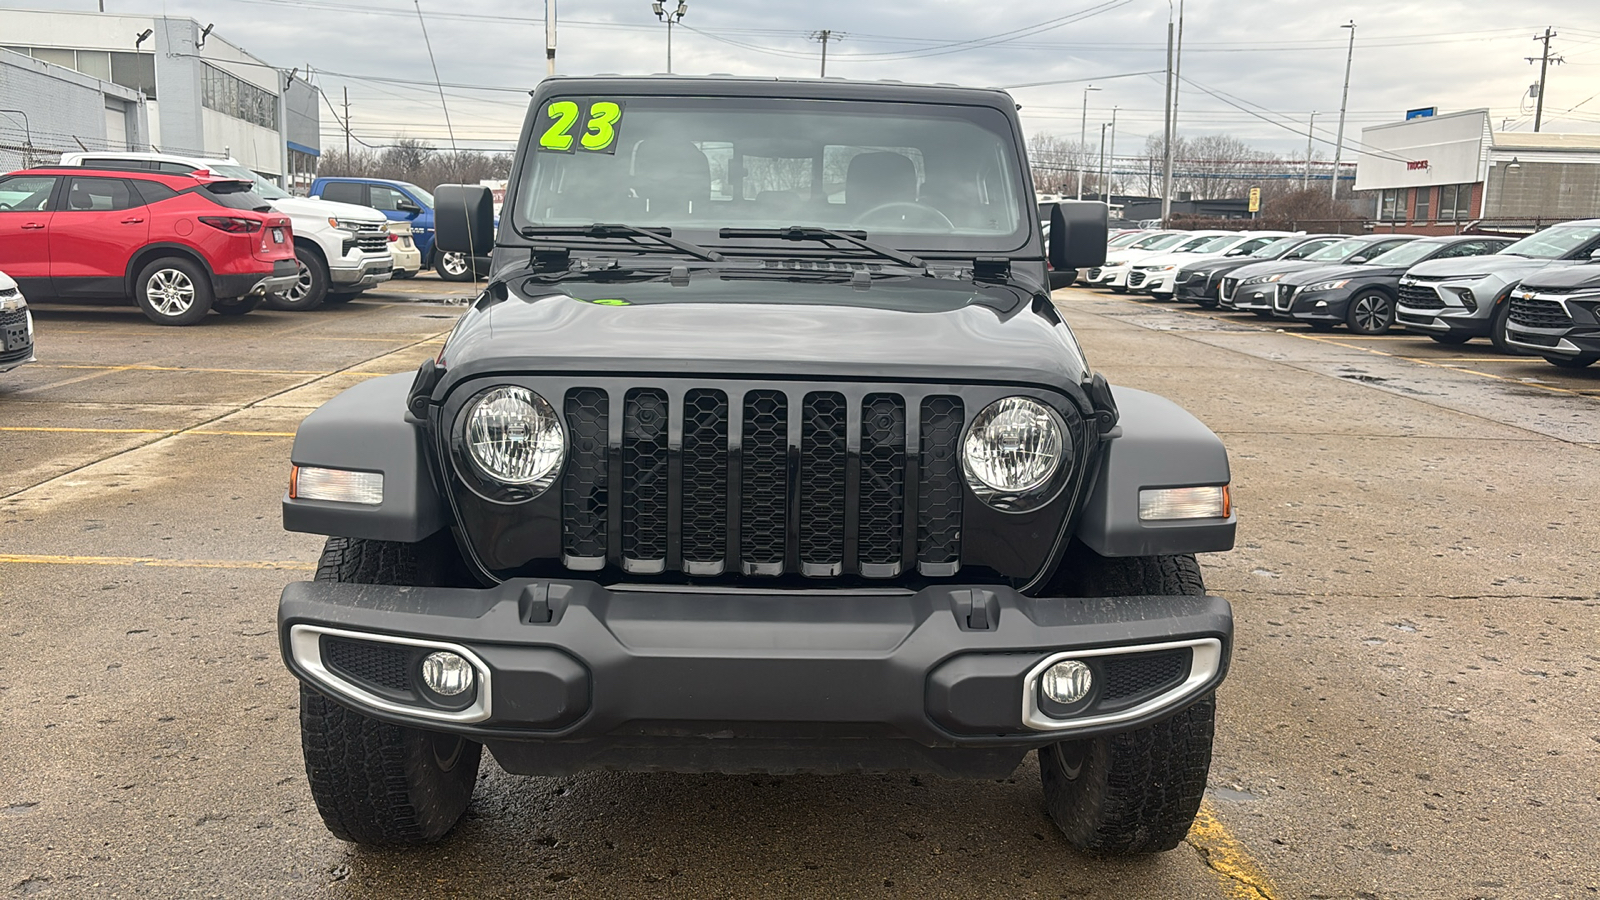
{"x":1410,"y":711}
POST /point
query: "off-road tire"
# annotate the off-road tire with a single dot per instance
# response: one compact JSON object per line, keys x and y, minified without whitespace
{"x":373,"y":782}
{"x":1135,"y":792}
{"x":311,"y":286}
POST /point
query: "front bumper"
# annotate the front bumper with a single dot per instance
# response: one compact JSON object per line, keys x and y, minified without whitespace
{"x":1252,"y":297}
{"x":1577,"y":337}
{"x":364,"y":272}
{"x":574,"y":675}
{"x":1304,"y":306}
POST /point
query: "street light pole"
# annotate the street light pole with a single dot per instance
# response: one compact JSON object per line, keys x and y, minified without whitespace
{"x":670,"y":17}
{"x":1102,"y":162}
{"x":1111,"y":157}
{"x":1083,"y":136}
{"x":1338,"y":146}
{"x":1305,"y":183}
{"x":1166,"y":164}
{"x":549,"y":37}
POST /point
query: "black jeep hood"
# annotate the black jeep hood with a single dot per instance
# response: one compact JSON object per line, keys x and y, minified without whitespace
{"x":913,"y":328}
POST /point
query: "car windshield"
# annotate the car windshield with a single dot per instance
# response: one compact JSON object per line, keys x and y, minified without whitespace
{"x":1194,"y":243}
{"x":1218,"y":244}
{"x":1275,"y":249}
{"x":1158,"y":241}
{"x":1123,"y":240}
{"x":1554,"y":243}
{"x":1406,"y":254}
{"x":263,"y":188}
{"x":1338,"y":251}
{"x":906,"y":174}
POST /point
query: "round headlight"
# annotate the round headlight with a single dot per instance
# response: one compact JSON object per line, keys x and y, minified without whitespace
{"x":1013,"y":452}
{"x":514,"y":437}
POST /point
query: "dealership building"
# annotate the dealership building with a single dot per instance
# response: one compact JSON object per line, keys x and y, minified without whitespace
{"x":74,"y":81}
{"x":1440,"y":174}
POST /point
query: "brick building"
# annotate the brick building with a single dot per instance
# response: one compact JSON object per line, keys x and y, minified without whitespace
{"x":1450,"y":173}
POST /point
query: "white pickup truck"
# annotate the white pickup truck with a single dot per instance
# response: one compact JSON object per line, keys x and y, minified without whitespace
{"x":342,"y":249}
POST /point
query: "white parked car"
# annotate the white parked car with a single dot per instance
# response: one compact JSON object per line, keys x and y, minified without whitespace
{"x":407,"y":258}
{"x":16,"y":326}
{"x":1157,"y":275}
{"x":342,"y":249}
{"x":1114,"y":273}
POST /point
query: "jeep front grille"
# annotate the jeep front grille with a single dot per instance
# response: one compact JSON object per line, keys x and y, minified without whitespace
{"x":1535,"y":313}
{"x":763,"y":482}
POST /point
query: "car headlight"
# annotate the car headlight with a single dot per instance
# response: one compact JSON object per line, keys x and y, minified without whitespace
{"x":351,"y":224}
{"x":1016,"y":454}
{"x":513,"y":438}
{"x":1115,"y":262}
{"x":1167,"y":268}
{"x":1327,"y":285}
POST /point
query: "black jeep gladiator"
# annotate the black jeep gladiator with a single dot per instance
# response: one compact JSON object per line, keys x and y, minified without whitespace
{"x":763,"y":450}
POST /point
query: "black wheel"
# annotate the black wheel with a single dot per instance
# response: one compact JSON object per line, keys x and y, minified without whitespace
{"x":1497,"y":329}
{"x":456,"y":267}
{"x":309,"y":289}
{"x":237,"y":306}
{"x":1370,"y":312}
{"x":333,"y":299}
{"x":1138,"y":791}
{"x":377,"y":783}
{"x":1573,"y":362}
{"x":174,"y":291}
{"x":1453,"y":339}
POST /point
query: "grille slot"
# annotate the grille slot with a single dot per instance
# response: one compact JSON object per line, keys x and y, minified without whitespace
{"x":1136,"y":278}
{"x":1534,"y":313}
{"x":383,"y":665}
{"x":764,"y":485}
{"x":1419,"y":296}
{"x":705,"y":482}
{"x":644,"y":481}
{"x":883,"y":479}
{"x":939,"y":491}
{"x":583,"y":487}
{"x":1139,"y":675}
{"x":1228,"y":286}
{"x":823,"y":424}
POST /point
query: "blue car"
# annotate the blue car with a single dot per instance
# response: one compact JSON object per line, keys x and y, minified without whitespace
{"x":403,"y":202}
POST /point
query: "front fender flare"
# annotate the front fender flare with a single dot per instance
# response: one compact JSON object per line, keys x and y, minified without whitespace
{"x":1158,"y":444}
{"x":365,"y":429}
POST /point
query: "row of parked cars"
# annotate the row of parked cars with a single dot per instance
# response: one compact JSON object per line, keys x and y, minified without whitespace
{"x":186,"y":236}
{"x":1537,"y":295}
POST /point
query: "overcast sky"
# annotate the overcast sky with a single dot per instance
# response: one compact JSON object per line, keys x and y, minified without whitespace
{"x":1265,"y":61}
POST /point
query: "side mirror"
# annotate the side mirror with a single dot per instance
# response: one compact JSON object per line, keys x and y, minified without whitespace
{"x":1077,"y":234}
{"x":463,"y":219}
{"x":406,"y":206}
{"x":1595,"y":253}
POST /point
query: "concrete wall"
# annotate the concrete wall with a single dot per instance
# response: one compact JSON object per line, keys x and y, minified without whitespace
{"x":66,"y":111}
{"x":1544,"y":189}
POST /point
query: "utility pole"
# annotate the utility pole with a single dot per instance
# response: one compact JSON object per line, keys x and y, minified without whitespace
{"x":1305,"y":183}
{"x":1338,"y":146}
{"x":347,"y":167}
{"x":1111,"y":155}
{"x":1544,"y":62}
{"x":549,"y":37}
{"x":1103,"y":164}
{"x":669,"y":17}
{"x":1166,"y":166}
{"x":825,"y":35}
{"x":1083,"y":137}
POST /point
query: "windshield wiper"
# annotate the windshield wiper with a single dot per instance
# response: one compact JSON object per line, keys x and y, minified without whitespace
{"x":811,"y":233}
{"x":617,"y":229}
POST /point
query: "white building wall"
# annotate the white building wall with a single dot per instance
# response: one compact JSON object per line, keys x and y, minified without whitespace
{"x":1436,"y":150}
{"x":64,"y":110}
{"x":253,"y":146}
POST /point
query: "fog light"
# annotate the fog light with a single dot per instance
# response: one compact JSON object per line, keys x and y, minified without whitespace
{"x":446,"y":673}
{"x":1067,"y":682}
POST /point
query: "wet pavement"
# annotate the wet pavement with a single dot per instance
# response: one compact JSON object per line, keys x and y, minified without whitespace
{"x":1410,"y":711}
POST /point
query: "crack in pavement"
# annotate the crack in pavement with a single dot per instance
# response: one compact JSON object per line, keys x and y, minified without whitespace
{"x":1222,"y":853}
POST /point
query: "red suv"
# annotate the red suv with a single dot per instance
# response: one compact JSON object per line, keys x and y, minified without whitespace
{"x":180,"y":245}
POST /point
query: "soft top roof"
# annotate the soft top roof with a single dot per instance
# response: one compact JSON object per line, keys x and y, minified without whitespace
{"x":782,"y":88}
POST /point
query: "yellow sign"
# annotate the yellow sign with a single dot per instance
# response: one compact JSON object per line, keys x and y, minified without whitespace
{"x":1255,"y":199}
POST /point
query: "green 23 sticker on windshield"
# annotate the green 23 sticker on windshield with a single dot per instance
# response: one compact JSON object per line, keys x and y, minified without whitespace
{"x":566,"y":126}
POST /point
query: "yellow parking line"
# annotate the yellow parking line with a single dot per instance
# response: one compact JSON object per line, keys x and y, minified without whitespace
{"x":207,"y":371}
{"x":164,"y":431}
{"x":1240,"y":875}
{"x":151,"y":562}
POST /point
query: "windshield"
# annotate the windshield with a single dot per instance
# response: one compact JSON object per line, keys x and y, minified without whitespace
{"x":1275,"y":249}
{"x":1406,"y":254}
{"x":1123,"y":240}
{"x":1218,"y":244}
{"x":1554,"y":243}
{"x":263,"y":188}
{"x":1194,"y":243}
{"x":1158,"y":241}
{"x":1338,"y":251}
{"x":926,"y":173}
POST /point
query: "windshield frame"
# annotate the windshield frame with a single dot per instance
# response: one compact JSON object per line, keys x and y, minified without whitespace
{"x":1023,"y":240}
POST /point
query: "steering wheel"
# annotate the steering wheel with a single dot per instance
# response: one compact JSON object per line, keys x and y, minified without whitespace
{"x":928,"y":212}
